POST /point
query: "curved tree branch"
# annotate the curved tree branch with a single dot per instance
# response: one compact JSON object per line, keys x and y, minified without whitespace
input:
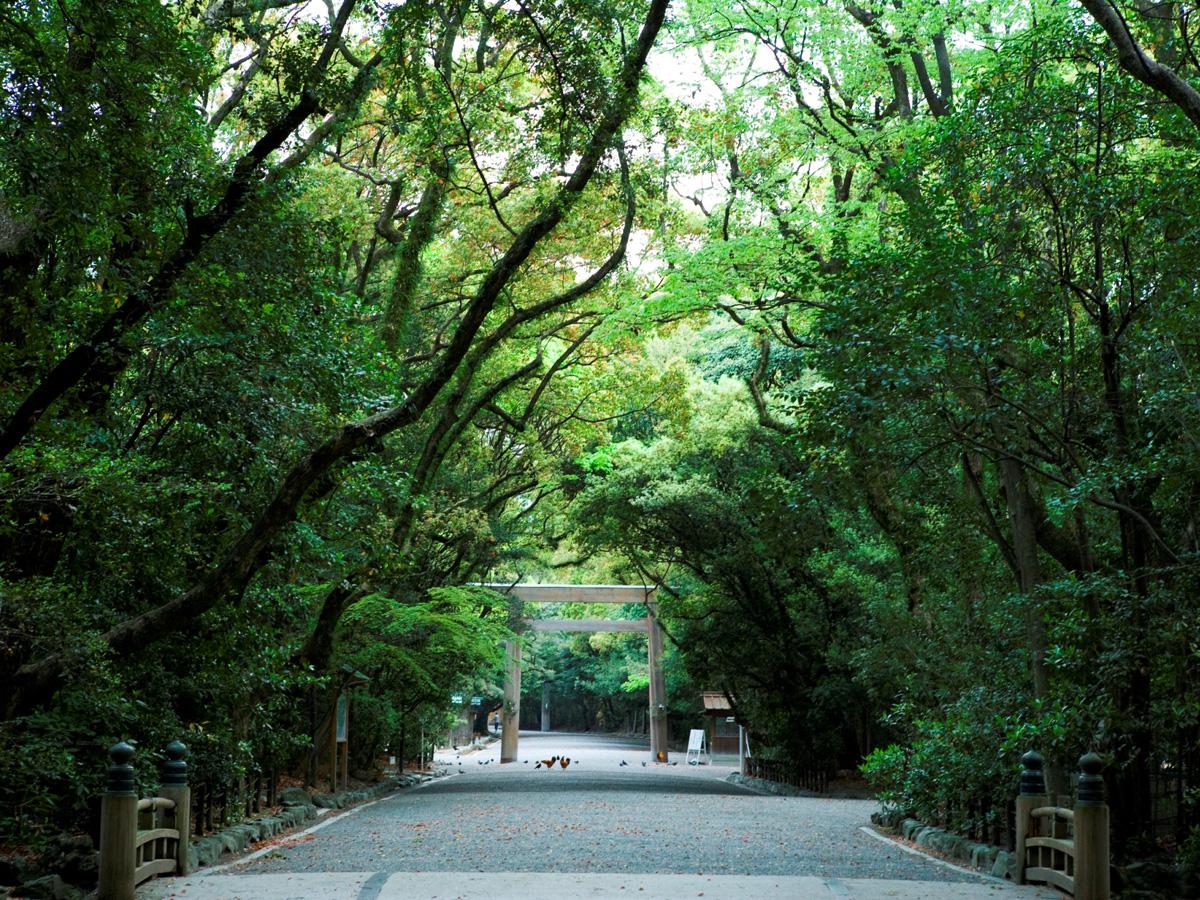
{"x":103,"y":347}
{"x":1133,"y":59}
{"x":37,"y":681}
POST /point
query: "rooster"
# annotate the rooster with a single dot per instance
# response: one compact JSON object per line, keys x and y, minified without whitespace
{"x":549,"y":763}
{"x":565,"y":761}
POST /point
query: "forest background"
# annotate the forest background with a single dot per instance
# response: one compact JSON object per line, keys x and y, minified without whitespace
{"x":867,"y":332}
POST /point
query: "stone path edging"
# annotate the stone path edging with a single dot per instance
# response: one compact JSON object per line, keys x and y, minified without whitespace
{"x":301,"y":809}
{"x":765,"y":786}
{"x":994,"y":861}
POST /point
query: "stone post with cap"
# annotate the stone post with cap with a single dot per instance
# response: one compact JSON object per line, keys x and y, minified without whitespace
{"x":175,"y":787}
{"x":1031,"y":796}
{"x":118,"y":827}
{"x":1091,"y":832}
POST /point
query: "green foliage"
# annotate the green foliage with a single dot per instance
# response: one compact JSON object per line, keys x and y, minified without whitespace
{"x":894,"y":395}
{"x":596,"y":681}
{"x":963,"y":764}
{"x":203,"y":217}
{"x":416,"y":654}
{"x":751,"y":605}
{"x":958,"y":280}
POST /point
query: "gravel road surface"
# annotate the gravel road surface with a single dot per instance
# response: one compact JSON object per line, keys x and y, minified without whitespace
{"x":597,"y":818}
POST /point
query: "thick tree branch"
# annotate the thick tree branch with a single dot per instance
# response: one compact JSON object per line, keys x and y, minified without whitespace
{"x":37,"y":681}
{"x":103,"y":346}
{"x":1133,"y":59}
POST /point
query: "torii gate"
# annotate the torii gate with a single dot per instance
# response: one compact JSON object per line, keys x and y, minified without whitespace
{"x":585,"y":593}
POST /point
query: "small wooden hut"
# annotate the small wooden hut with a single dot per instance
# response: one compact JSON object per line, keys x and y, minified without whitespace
{"x":720,"y":726}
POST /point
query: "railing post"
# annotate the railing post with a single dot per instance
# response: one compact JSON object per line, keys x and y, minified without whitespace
{"x":175,"y":787}
{"x":1032,"y":795}
{"x":118,"y":827}
{"x":1091,"y":832}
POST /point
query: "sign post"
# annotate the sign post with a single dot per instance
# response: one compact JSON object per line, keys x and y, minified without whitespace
{"x":341,"y":741}
{"x":696,"y":747}
{"x":339,"y":729}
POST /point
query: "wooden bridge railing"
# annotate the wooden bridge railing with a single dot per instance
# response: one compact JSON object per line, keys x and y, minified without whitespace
{"x":1066,"y":848}
{"x":142,"y":838}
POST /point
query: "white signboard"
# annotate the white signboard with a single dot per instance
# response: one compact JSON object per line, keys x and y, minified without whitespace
{"x":695,"y":746}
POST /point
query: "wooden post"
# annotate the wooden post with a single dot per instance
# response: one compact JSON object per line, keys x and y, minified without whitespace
{"x":175,"y":787}
{"x":1032,"y":795}
{"x":118,"y":827}
{"x":545,"y":706}
{"x":345,"y":748}
{"x":314,"y":758}
{"x":333,"y":745}
{"x":652,"y":693}
{"x":658,"y":691}
{"x":510,"y":716}
{"x":1091,"y":832}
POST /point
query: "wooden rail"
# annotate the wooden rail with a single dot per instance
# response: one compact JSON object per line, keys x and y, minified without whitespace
{"x":140,"y":839}
{"x":641,"y":625}
{"x":1066,"y":848}
{"x":156,"y":846}
{"x":576,"y":593}
{"x":1050,"y":848}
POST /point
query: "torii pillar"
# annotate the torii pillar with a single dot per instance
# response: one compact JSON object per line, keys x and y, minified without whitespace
{"x":658,"y":689}
{"x":510,"y":715}
{"x":585,"y":593}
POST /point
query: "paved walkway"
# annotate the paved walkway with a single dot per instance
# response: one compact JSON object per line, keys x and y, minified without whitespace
{"x":554,"y":886}
{"x":594,"y":829}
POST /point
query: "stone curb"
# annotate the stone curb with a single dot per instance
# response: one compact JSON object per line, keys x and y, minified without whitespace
{"x":764,"y":786}
{"x":994,"y":861}
{"x":299,"y":808}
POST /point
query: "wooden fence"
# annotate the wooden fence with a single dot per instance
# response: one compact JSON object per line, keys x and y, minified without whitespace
{"x":213,"y":806}
{"x":1066,"y":848}
{"x":979,"y":819}
{"x":140,"y":839}
{"x":787,"y":772}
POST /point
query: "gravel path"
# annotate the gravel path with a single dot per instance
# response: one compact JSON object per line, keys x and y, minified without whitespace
{"x":598,"y":816}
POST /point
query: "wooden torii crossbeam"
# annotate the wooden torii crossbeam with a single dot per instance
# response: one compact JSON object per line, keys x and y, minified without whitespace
{"x":585,"y":593}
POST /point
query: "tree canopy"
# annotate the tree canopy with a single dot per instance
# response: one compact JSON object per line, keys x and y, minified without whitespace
{"x":866,"y":333}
